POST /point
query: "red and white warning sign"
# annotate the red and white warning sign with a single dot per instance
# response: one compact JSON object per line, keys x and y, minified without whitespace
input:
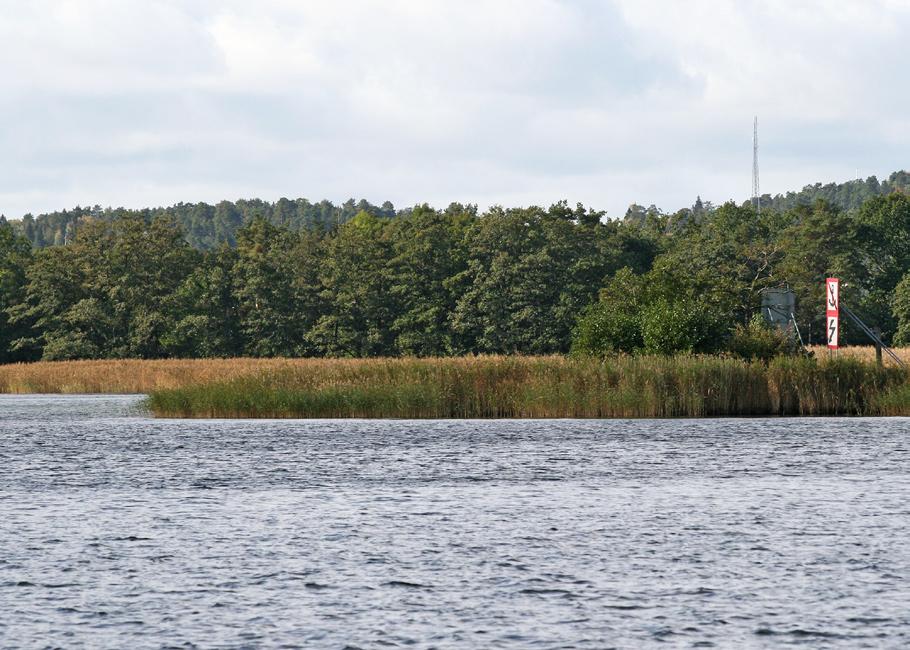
{"x":832,"y":309}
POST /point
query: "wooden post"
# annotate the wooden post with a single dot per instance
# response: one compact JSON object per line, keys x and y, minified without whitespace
{"x":878,"y":346}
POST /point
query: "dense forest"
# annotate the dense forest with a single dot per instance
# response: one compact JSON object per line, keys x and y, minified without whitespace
{"x":301,"y":279}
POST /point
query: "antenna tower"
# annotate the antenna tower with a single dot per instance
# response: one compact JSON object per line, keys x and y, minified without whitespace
{"x":756,"y":191}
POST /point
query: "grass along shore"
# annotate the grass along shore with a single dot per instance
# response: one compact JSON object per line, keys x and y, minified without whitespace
{"x":546,"y":387}
{"x":485,"y":387}
{"x":125,"y":376}
{"x":138,"y":376}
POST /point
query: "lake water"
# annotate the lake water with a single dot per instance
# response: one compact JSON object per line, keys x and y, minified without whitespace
{"x":117,"y":530}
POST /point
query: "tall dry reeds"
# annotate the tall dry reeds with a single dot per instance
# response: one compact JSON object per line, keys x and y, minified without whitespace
{"x":123,"y":376}
{"x":860,"y":352}
{"x":543,"y":387}
{"x":483,"y":387}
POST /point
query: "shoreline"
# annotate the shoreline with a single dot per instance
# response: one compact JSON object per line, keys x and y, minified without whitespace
{"x":483,"y":387}
{"x":147,"y":412}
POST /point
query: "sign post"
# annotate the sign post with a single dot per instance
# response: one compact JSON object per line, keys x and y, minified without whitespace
{"x":832,"y":304}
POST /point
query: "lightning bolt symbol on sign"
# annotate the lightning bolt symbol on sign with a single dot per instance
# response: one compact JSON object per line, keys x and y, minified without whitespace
{"x":833,"y":311}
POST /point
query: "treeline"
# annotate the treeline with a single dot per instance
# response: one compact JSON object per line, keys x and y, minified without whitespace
{"x":208,"y":226}
{"x":849,"y":196}
{"x":204,"y":226}
{"x":426,"y":282}
{"x":845,"y":197}
{"x":429,"y":282}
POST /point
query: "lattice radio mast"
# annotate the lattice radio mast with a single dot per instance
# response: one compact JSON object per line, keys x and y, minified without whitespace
{"x":756,"y":191}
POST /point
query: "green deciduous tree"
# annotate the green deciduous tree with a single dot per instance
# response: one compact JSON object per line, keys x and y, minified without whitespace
{"x":109,"y":293}
{"x":273,"y":314}
{"x":613,"y":323}
{"x":15,"y":258}
{"x":427,"y":250}
{"x":531,"y":272}
{"x":900,"y":305}
{"x":206,"y":315}
{"x":357,"y":278}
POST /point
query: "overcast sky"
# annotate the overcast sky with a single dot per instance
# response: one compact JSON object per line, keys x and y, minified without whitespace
{"x":606,"y":102}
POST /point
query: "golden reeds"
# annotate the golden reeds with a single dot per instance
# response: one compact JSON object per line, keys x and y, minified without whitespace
{"x":484,"y":386}
{"x":122,"y":376}
{"x":861,"y":352}
{"x":545,"y":387}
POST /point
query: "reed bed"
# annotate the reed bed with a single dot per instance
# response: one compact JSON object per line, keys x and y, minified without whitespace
{"x":545,"y":387}
{"x":486,"y":386}
{"x":126,"y":376}
{"x":861,"y":352}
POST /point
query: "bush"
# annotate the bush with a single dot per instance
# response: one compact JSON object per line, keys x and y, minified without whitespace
{"x":637,"y":313}
{"x":760,"y":341}
{"x":900,"y":307}
{"x":604,"y":328}
{"x":672,"y":327}
{"x":613,"y":323}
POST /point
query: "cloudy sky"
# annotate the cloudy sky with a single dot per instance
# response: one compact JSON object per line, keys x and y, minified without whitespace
{"x":606,"y":102}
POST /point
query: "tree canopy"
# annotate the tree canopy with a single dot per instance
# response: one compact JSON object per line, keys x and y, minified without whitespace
{"x":367,"y":281}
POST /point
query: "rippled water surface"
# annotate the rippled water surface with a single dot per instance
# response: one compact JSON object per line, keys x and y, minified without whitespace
{"x":121,"y":531}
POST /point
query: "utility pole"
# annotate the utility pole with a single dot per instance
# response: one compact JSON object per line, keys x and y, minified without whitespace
{"x":756,"y":190}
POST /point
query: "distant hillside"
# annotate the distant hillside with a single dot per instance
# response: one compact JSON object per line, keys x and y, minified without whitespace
{"x":206,"y":226}
{"x":847,"y":196}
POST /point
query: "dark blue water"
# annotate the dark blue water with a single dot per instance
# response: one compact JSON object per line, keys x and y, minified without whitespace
{"x":121,"y":531}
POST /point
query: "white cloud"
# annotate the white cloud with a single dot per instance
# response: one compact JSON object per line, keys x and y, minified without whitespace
{"x":140,"y":102}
